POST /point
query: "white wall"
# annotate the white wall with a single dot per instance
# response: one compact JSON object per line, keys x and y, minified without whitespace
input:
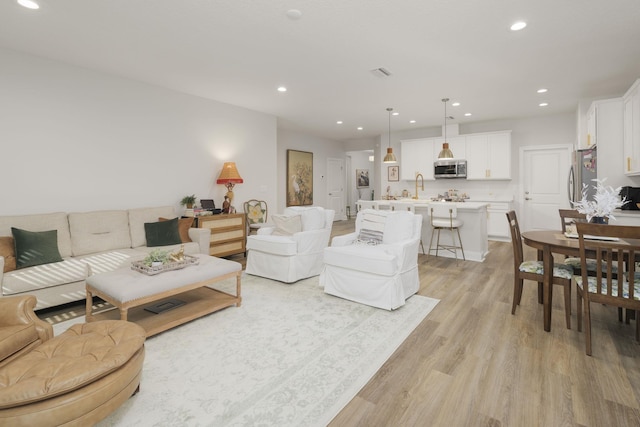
{"x":321,"y":148}
{"x":77,"y":140}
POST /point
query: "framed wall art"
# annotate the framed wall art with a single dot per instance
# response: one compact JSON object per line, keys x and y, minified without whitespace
{"x":393,"y":173}
{"x":362,"y":178}
{"x":299,"y":178}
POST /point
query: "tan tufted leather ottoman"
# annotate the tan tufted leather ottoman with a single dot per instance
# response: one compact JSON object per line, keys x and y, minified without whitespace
{"x":74,"y":379}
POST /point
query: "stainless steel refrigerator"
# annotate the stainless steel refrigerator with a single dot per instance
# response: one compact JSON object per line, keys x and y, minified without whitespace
{"x":583,"y":171}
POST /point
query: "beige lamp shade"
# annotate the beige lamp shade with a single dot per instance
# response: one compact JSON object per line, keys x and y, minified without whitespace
{"x":229,"y":176}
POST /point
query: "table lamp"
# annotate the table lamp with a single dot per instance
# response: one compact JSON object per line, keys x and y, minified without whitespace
{"x":229,"y":176}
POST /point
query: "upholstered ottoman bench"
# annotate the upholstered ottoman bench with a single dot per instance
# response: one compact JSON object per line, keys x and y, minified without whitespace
{"x":74,"y":379}
{"x":140,"y":298}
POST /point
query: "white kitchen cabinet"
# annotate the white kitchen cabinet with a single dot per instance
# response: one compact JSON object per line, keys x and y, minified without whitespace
{"x":497,"y":224}
{"x":631,"y":129}
{"x":489,"y":156}
{"x":416,"y":157}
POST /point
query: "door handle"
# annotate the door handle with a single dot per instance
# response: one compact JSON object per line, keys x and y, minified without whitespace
{"x":527,"y":198}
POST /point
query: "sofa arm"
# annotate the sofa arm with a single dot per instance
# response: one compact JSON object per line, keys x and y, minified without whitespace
{"x":406,"y":252}
{"x":18,"y":310}
{"x":202,"y":236}
{"x":344,"y":240}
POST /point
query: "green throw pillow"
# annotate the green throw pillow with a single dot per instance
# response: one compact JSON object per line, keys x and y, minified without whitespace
{"x":35,"y":247}
{"x":162,"y":233}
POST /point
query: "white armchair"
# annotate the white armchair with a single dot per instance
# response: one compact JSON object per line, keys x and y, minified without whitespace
{"x":381,"y":274}
{"x":292,"y":249}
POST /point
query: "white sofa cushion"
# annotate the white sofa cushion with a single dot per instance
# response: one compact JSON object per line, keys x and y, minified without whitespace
{"x":373,"y":260}
{"x":44,"y":276}
{"x":276,"y":245}
{"x":99,"y":231}
{"x":137,"y":218}
{"x":41,"y":222}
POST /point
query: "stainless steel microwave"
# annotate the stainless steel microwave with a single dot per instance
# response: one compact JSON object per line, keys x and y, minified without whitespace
{"x":449,"y":168}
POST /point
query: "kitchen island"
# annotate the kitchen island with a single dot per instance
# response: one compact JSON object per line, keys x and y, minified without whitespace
{"x":473,"y":233}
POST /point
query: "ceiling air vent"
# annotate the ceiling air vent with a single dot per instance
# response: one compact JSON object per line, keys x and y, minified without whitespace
{"x":381,"y":72}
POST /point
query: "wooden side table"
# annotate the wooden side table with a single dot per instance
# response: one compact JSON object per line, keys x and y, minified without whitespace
{"x":228,"y":233}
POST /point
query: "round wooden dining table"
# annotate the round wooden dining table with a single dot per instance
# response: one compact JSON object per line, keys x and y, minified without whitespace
{"x":549,"y":242}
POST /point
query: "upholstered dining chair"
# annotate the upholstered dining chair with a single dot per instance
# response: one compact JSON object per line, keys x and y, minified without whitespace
{"x":569,"y":217}
{"x":611,"y":245}
{"x":445,"y":217}
{"x":534,"y":270}
{"x":568,"y":220}
{"x":256,"y":211}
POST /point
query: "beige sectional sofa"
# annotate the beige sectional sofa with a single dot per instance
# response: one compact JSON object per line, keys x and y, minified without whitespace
{"x":89,"y":243}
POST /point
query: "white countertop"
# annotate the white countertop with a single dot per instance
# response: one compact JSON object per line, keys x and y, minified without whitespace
{"x":628,"y":214}
{"x":419,"y":203}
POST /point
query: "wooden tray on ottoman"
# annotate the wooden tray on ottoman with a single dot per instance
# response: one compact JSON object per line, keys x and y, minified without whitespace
{"x":131,"y":291}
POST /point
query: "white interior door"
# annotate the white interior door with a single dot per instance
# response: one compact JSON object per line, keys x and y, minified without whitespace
{"x":544,"y":174}
{"x":335,"y":186}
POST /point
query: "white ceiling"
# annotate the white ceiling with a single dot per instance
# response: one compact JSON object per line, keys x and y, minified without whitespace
{"x":240,"y":51}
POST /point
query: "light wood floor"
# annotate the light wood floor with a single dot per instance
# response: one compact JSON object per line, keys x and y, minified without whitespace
{"x":471,"y":363}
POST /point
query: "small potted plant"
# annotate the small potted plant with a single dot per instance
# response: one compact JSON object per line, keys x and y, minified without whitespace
{"x":156,"y":258}
{"x":188,"y":201}
{"x":600,"y":209}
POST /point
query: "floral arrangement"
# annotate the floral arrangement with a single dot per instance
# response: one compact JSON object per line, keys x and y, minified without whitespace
{"x":605,"y":201}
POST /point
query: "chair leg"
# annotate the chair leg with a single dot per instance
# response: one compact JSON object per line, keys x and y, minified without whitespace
{"x":540,"y":293}
{"x":453,"y":244}
{"x":579,"y":307}
{"x":567,"y":304}
{"x":460,"y":240}
{"x":433,"y":233}
{"x":517,"y":293}
{"x":587,"y":326}
{"x":438,"y":242}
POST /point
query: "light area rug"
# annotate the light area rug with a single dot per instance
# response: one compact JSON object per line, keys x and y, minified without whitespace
{"x":291,"y":355}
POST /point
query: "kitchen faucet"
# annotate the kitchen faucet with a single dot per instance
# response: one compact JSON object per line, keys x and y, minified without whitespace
{"x":422,"y":179}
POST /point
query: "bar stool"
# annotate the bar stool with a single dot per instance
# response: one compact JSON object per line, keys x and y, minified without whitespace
{"x":444,"y":217}
{"x":399,"y":206}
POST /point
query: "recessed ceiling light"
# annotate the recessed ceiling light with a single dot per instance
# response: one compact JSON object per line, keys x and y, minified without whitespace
{"x":282,"y":89}
{"x":395,"y":114}
{"x":467,"y":114}
{"x":339,"y":122}
{"x":412,"y":121}
{"x":359,"y":127}
{"x":542,"y":90}
{"x":517,"y":26}
{"x":543,"y":104}
{"x":30,"y":4}
{"x":294,"y":14}
{"x":456,"y":104}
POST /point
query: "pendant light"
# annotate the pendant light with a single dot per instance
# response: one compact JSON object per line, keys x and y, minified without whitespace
{"x":445,"y":153}
{"x":390,"y":157}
